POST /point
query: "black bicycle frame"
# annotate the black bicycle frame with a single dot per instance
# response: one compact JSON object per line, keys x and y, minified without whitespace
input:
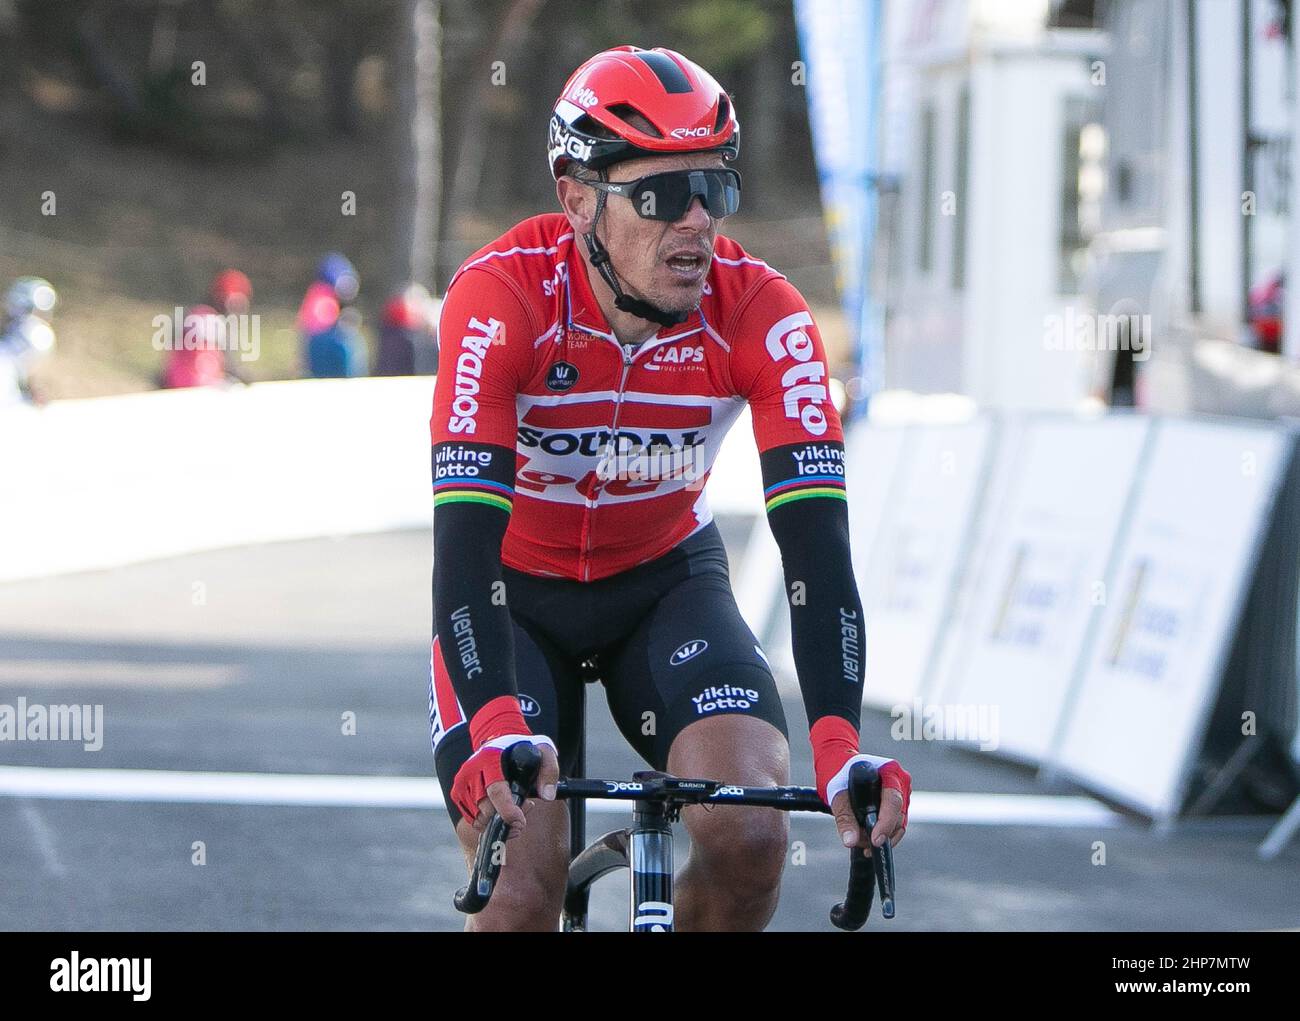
{"x":646,"y":847}
{"x":646,"y":850}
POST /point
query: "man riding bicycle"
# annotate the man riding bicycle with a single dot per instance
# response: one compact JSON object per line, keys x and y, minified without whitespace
{"x":591,"y":363}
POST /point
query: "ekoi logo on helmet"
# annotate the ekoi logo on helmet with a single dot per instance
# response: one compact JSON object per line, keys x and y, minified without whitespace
{"x":804,"y":391}
{"x":565,"y":143}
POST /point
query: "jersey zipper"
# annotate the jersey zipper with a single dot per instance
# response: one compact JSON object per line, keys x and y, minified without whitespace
{"x":611,"y":448}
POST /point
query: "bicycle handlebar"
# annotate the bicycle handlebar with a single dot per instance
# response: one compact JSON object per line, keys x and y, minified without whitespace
{"x":520,"y":764}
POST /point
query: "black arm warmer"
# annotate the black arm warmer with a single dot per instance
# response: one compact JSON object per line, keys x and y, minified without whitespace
{"x":470,"y":617}
{"x":809,"y":518}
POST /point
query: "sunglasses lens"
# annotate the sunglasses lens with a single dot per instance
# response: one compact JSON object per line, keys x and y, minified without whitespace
{"x":723,"y":197}
{"x":663,"y":197}
{"x":668,"y":196}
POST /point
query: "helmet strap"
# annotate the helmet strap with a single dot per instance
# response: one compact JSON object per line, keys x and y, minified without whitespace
{"x":599,"y":256}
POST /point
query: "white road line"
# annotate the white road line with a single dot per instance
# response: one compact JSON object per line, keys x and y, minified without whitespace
{"x":66,"y":673}
{"x":321,"y":790}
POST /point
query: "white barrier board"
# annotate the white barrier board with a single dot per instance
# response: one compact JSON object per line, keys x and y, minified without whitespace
{"x":735,"y":483}
{"x":871,"y":454}
{"x":1006,"y":442}
{"x":1041,"y":575}
{"x":1150,"y":678}
{"x":905,"y":575}
{"x":91,"y":484}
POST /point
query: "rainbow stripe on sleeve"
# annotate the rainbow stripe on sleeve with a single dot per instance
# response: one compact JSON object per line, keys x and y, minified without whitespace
{"x":494,"y":494}
{"x":803,"y":488}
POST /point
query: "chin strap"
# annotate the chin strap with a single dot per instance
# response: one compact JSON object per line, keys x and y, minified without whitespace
{"x":624,"y":303}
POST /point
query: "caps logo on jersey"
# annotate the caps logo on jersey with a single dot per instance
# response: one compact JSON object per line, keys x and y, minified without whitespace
{"x":676,"y":356}
{"x":687,"y":650}
{"x":561,"y":377}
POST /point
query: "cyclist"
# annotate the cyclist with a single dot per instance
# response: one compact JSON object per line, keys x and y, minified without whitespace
{"x":591,"y":362}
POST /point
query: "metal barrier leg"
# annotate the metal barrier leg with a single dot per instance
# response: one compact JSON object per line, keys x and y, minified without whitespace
{"x":1280,"y":835}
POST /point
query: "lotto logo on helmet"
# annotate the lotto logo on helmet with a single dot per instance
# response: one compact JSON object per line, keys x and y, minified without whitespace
{"x":583,"y":96}
{"x":804,"y":392}
{"x":469,"y":372}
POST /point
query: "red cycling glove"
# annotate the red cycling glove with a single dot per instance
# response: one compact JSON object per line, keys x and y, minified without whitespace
{"x":835,"y":750}
{"x":495,"y":727}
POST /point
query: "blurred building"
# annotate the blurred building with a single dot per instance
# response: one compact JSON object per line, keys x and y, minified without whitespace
{"x":1091,"y":199}
{"x":1195,"y":228}
{"x":991,"y":132}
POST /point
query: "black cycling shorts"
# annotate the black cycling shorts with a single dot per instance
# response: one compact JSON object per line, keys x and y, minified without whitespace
{"x":672,"y":649}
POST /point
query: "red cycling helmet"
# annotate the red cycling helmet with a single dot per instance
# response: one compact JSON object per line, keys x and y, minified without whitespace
{"x":687,"y":109}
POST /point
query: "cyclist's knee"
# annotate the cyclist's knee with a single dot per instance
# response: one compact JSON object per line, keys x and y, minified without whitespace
{"x":742,"y":849}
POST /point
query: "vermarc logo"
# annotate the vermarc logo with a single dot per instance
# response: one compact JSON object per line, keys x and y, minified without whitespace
{"x":687,"y":650}
{"x":561,"y":377}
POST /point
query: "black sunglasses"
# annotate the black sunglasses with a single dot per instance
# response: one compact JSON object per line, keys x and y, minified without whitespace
{"x":667,"y":196}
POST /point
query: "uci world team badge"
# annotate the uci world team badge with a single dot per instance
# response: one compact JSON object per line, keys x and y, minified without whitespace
{"x":561,"y":377}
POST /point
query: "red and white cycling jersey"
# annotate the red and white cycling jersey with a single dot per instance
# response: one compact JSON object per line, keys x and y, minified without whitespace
{"x":612,"y":447}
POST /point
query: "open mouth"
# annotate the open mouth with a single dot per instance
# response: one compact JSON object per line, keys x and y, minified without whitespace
{"x":688,"y":266}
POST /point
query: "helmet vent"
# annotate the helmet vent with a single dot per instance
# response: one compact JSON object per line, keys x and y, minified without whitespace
{"x":634,"y":118}
{"x":591,"y":127}
{"x":724,"y":113}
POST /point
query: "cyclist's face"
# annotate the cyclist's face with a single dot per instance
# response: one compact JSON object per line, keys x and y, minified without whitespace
{"x":661,"y":262}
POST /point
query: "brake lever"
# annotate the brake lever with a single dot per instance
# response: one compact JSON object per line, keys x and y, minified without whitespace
{"x":882,"y":857}
{"x":520,"y":764}
{"x":864,"y":797}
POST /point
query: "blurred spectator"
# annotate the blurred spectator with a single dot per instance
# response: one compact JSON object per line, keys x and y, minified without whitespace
{"x":232,"y":295}
{"x":338,"y":351}
{"x":26,"y":337}
{"x":331,"y":331}
{"x":200,"y":358}
{"x":319,"y":309}
{"x":1266,"y":312}
{"x":336,"y":271}
{"x":231,"y":292}
{"x":406,"y":334}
